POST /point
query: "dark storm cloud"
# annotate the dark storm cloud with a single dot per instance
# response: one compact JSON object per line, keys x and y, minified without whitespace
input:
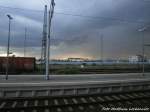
{"x":117,"y":20}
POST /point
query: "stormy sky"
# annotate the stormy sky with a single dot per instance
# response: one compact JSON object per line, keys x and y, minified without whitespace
{"x":77,"y":28}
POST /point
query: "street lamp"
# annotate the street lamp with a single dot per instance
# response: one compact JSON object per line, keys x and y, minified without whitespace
{"x":8,"y":44}
{"x":25,"y":41}
{"x":102,"y":45}
{"x":143,"y":48}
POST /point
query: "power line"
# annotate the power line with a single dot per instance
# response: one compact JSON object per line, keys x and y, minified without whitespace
{"x":102,"y":18}
{"x":46,"y":1}
{"x":41,"y":11}
{"x":82,"y":16}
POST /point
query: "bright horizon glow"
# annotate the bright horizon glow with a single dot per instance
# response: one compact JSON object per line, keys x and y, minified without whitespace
{"x":64,"y":57}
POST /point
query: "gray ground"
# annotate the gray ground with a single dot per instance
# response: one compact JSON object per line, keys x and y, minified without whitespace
{"x":18,"y":80}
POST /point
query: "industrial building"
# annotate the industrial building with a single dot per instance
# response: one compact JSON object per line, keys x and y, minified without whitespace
{"x":77,"y":59}
{"x":137,"y":58}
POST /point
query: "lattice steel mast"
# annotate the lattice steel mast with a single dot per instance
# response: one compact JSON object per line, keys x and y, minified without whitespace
{"x":43,"y":51}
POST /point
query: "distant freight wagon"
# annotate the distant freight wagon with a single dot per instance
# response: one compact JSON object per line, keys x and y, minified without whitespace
{"x":17,"y":64}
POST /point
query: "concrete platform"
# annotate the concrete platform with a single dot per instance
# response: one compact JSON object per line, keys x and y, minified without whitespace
{"x":36,"y":85}
{"x":38,"y":80}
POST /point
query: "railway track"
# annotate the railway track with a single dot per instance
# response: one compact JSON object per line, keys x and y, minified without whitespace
{"x":80,"y":103}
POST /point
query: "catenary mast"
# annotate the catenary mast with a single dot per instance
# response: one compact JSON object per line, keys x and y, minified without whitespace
{"x":51,"y":12}
{"x":43,"y":51}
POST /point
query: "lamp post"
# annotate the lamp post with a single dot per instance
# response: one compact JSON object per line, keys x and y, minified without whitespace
{"x":8,"y":45}
{"x":25,"y":40}
{"x":101,"y":47}
{"x":143,"y":48}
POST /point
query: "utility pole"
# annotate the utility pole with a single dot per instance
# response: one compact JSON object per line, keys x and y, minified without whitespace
{"x":43,"y":50}
{"x":143,"y":53}
{"x":51,"y":12}
{"x":25,"y":40}
{"x":8,"y":45}
{"x":101,"y":47}
{"x":142,"y":30}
